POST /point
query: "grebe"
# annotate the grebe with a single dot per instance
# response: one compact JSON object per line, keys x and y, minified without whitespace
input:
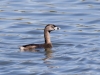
{"x":47,"y":44}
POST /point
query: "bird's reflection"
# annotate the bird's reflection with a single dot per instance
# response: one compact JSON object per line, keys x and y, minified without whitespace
{"x":48,"y":53}
{"x":30,"y":50}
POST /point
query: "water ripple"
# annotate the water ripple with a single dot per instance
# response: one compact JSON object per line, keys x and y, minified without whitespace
{"x":75,"y":49}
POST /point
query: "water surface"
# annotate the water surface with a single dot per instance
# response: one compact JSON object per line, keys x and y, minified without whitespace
{"x":76,"y":47}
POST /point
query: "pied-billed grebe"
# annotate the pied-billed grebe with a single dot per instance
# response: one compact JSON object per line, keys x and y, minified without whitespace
{"x":47,"y":44}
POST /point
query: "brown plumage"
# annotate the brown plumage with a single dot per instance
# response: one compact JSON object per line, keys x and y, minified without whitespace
{"x":47,"y":44}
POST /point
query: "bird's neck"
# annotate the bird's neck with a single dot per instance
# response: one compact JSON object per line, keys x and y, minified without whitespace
{"x":47,"y":37}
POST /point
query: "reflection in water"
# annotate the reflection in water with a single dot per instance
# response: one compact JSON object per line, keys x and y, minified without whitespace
{"x":48,"y":53}
{"x":29,"y":50}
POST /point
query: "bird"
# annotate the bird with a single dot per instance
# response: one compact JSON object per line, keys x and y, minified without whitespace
{"x":48,"y":28}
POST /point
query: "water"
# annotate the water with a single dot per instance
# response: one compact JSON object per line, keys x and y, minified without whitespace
{"x":76,"y":47}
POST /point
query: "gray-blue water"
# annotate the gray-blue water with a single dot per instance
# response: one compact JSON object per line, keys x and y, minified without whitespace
{"x":76,"y":47}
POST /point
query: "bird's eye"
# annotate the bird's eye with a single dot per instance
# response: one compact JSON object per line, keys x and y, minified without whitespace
{"x":54,"y":25}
